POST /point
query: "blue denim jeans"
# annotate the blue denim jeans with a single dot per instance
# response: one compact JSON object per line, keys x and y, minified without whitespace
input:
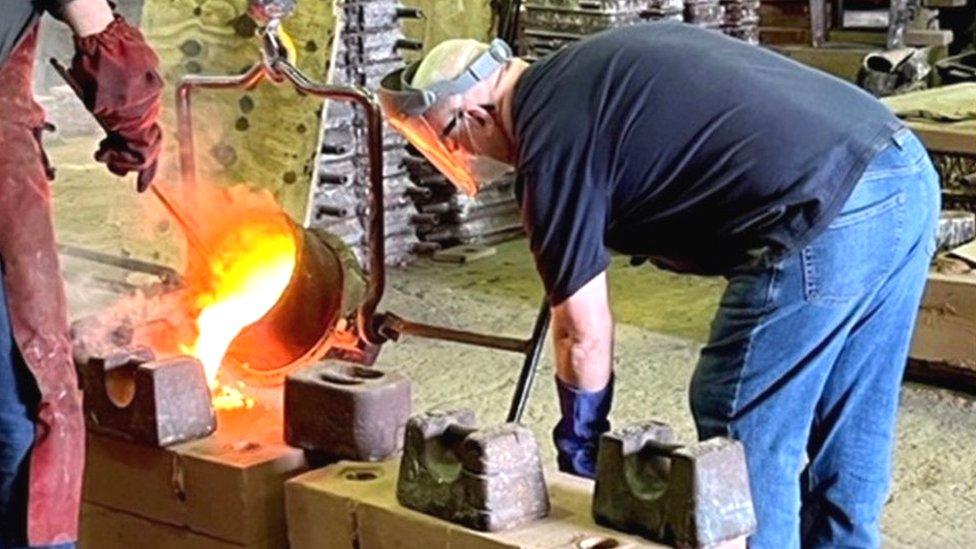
{"x":805,"y":359}
{"x":18,"y":401}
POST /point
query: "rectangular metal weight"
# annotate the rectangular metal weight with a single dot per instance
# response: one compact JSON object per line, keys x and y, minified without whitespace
{"x":346,"y":411}
{"x":489,"y":479}
{"x":131,"y":396}
{"x":689,"y":496}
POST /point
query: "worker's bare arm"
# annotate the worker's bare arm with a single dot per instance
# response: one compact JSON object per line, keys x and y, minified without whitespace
{"x":86,"y":17}
{"x":582,"y":331}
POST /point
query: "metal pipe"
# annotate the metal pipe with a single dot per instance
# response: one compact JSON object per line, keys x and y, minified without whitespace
{"x":375,"y":235}
{"x":184,"y":120}
{"x":532,"y":354}
{"x":164,"y":273}
{"x":393,"y":326}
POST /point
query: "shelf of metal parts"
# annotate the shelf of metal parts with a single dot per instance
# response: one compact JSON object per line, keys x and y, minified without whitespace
{"x":349,"y":169}
{"x":505,"y":212}
{"x":711,"y":11}
{"x":338,"y":201}
{"x":394,"y":256}
{"x":352,"y":58}
{"x":741,"y":4}
{"x":504,"y":207}
{"x":482,"y":231}
{"x":349,"y":229}
{"x":746,"y":34}
{"x":398,"y":225}
{"x":542,"y":38}
{"x":371,"y":16}
{"x":371,"y":66}
{"x":678,"y":16}
{"x":364,"y":43}
{"x":462,"y":204}
{"x":576,"y":21}
{"x":349,"y":139}
{"x":602,"y":5}
{"x":356,"y":163}
{"x":368,"y":76}
{"x":396,"y":192}
{"x":740,"y":20}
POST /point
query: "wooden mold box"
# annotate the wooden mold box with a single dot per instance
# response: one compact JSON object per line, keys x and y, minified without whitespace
{"x":226,"y":490}
{"x":349,"y":505}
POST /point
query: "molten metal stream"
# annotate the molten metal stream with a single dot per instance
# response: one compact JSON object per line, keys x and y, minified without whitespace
{"x":251,"y":259}
{"x":250,"y":271}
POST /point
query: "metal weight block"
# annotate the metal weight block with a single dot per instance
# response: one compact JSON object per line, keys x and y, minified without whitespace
{"x":689,"y":496}
{"x":131,"y":396}
{"x":337,"y":410}
{"x":488,"y":479}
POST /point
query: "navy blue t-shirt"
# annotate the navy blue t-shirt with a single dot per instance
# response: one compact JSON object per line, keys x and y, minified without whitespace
{"x":680,"y":144}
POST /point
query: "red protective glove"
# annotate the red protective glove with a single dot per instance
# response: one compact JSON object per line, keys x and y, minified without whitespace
{"x":116,"y":71}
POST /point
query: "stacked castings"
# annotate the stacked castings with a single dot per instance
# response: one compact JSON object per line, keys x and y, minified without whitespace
{"x":664,"y":10}
{"x":367,"y":47}
{"x":742,"y":20}
{"x":548,"y":25}
{"x":448,"y":218}
{"x":709,"y":14}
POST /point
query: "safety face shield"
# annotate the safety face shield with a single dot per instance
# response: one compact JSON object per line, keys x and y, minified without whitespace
{"x":406,"y":109}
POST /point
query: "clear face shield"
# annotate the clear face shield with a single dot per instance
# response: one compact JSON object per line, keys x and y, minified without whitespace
{"x":405,"y":108}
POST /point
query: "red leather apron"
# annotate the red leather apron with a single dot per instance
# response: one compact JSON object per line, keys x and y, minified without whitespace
{"x":38,"y":305}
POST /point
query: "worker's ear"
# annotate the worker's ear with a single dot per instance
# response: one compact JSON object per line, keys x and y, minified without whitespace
{"x":481,"y":115}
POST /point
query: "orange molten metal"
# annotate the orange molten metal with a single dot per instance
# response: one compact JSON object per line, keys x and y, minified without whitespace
{"x":266,"y":295}
{"x":252,"y":254}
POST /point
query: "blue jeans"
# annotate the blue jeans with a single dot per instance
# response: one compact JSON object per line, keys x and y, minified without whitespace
{"x":18,"y":402}
{"x":805,"y":359}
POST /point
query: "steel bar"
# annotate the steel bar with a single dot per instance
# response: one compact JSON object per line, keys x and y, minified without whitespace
{"x":393,"y":326}
{"x":165,"y":273}
{"x":184,"y":120}
{"x":533,"y":352}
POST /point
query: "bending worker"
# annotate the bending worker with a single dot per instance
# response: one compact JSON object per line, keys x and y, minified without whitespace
{"x":41,"y":425}
{"x":710,"y":156}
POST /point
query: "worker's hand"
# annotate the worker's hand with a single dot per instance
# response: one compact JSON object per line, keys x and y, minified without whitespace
{"x":116,"y":71}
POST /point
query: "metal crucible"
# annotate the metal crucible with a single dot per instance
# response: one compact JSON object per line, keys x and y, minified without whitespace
{"x":326,"y":285}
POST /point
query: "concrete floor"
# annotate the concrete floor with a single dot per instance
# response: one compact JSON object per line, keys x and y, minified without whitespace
{"x":662,"y":320}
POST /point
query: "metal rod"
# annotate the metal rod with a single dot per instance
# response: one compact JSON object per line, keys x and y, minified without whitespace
{"x":375,"y":235}
{"x":184,"y":119}
{"x":163,"y":272}
{"x":533,"y":351}
{"x":188,"y":229}
{"x":393,"y":326}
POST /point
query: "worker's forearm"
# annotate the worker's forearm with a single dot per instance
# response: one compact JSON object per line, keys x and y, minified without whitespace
{"x":86,"y":17}
{"x":583,"y":359}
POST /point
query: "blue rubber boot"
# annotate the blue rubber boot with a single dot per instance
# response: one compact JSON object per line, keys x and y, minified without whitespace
{"x":584,"y":419}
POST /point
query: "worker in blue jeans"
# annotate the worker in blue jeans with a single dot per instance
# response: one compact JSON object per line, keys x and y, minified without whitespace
{"x":834,"y":322}
{"x":710,"y":156}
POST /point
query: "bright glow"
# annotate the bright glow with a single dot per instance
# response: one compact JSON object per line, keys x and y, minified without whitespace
{"x":249,"y":271}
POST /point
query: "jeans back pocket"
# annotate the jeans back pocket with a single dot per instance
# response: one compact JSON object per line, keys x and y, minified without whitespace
{"x":855,"y":253}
